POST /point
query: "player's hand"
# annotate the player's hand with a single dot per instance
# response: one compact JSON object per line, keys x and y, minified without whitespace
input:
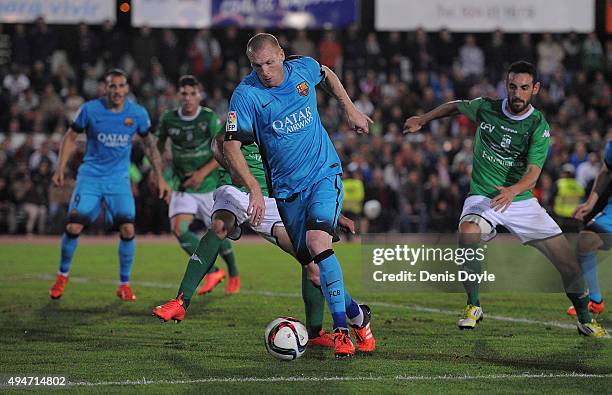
{"x":346,"y":224}
{"x":359,"y":122}
{"x":164,"y":189}
{"x":195,"y":180}
{"x":502,"y":201}
{"x":413,"y":124}
{"x":58,"y":178}
{"x":582,"y":211}
{"x":257,"y":208}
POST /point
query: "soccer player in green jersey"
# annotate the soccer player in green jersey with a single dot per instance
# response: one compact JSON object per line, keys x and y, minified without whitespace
{"x":193,"y":175}
{"x":510,"y":148}
{"x":229,"y":211}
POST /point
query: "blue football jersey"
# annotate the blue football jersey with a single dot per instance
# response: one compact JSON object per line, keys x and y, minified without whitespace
{"x":608,"y":155}
{"x":109,"y":137}
{"x":284,"y":121}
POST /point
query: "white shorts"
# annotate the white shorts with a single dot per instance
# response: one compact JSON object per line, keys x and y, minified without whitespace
{"x":525,"y":219}
{"x":198,"y":204}
{"x":230,"y":198}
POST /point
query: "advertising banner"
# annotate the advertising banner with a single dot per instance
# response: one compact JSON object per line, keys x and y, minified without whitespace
{"x":57,"y":11}
{"x":486,"y":15}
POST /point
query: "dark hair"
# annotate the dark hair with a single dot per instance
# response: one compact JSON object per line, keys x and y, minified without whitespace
{"x":523,"y":67}
{"x":257,"y":42}
{"x":189,"y":80}
{"x":115,"y":73}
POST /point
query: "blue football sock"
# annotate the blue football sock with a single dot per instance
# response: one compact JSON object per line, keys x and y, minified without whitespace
{"x":69,"y":245}
{"x":126,"y":258}
{"x":352,"y":308}
{"x":332,"y":285}
{"x":588,"y":262}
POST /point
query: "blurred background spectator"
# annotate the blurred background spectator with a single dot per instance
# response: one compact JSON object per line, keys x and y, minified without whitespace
{"x":393,"y":183}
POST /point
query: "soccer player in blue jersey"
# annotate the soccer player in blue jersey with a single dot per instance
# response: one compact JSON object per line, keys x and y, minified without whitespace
{"x":110,"y":123}
{"x":276,"y":107}
{"x":597,"y":235}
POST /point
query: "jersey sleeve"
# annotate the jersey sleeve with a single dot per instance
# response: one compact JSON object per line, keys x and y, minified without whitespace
{"x":470,"y":108}
{"x":215,"y":124}
{"x":608,"y":155}
{"x":82,"y":119}
{"x":312,"y":68}
{"x":161,"y":132}
{"x":143,"y":122}
{"x":240,"y":124}
{"x":538,"y":145}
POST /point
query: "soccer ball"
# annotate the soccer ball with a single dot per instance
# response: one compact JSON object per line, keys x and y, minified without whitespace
{"x":372,"y":209}
{"x":286,"y":338}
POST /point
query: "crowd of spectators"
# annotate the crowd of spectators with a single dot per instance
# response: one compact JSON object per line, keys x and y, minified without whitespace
{"x":412,"y":183}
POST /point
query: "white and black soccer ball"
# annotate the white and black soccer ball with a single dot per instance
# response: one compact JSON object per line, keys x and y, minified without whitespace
{"x":286,"y":338}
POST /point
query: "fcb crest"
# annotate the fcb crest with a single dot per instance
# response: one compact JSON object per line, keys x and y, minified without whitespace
{"x":128,"y":121}
{"x":302,"y":88}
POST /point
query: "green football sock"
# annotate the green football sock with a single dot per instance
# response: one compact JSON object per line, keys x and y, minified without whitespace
{"x":576,"y":290}
{"x":314,"y":303}
{"x":581,"y":304}
{"x":199,"y":264}
{"x":228,"y":256}
{"x":188,"y":241}
{"x":471,"y":266}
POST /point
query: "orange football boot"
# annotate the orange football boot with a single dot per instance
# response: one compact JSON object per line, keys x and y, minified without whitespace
{"x":595,"y":308}
{"x":363,"y":334}
{"x":125,"y":293}
{"x":57,"y":289}
{"x":211,"y":280}
{"x":233,"y":285}
{"x":324,"y":339}
{"x":343,"y":346}
{"x":174,"y":309}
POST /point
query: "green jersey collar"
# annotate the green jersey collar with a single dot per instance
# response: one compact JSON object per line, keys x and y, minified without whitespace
{"x":516,"y":117}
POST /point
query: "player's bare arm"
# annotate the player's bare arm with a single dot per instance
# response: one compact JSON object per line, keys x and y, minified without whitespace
{"x":152,"y":152}
{"x":346,"y":224}
{"x":197,"y":177}
{"x":415,"y":123}
{"x":238,"y":165}
{"x":507,"y":194}
{"x":599,"y":186}
{"x":216,"y":146}
{"x":66,"y":151}
{"x":332,"y":85}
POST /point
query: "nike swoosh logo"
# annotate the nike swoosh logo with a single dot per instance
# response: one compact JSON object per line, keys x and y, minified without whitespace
{"x":319,"y":221}
{"x":333,"y":282}
{"x":266,"y":105}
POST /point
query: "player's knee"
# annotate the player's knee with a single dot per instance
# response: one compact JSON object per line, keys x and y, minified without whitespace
{"x":73,"y":229}
{"x":221,"y":228}
{"x":470,"y":232}
{"x":127,"y":231}
{"x":177,"y":231}
{"x":318,"y":241}
{"x":588,"y":241}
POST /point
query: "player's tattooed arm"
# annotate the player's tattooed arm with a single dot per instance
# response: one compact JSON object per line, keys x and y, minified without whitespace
{"x":217,"y":149}
{"x":152,"y":152}
{"x":331,"y":84}
{"x":415,"y":123}
{"x":237,"y":164}
{"x":599,"y":187}
{"x":66,"y":151}
{"x":507,"y":194}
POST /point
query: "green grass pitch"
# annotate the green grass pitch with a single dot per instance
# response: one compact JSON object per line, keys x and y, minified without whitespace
{"x":525,"y":345}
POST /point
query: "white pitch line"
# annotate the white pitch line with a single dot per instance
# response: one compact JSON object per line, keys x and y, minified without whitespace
{"x":521,"y":376}
{"x":152,"y":284}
